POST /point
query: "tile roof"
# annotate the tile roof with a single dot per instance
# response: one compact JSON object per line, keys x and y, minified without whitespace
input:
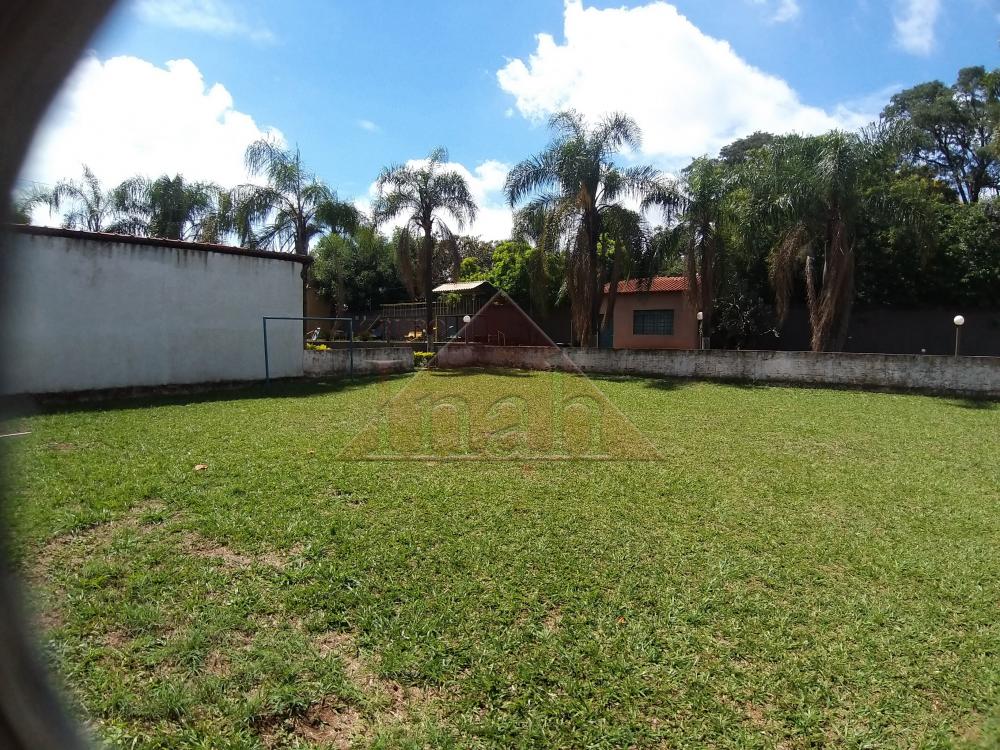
{"x":656,"y":284}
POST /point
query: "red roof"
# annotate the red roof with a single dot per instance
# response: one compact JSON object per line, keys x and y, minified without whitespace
{"x":656,"y":284}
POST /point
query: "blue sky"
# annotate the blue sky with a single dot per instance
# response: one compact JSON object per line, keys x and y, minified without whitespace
{"x":358,"y":85}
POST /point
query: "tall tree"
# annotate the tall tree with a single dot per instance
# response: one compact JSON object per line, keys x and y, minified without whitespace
{"x":423,"y":195}
{"x":575,"y":184}
{"x":87,"y":205}
{"x":954,"y":129}
{"x":25,"y":201}
{"x":172,"y":208}
{"x":814,"y":190}
{"x":699,"y":234}
{"x":356,"y":271}
{"x":292,"y":208}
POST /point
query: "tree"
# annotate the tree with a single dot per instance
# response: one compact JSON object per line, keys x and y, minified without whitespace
{"x":739,"y":151}
{"x":576,"y":186}
{"x":357,"y":271}
{"x":529,"y":275}
{"x":423,"y":196}
{"x":25,"y":201}
{"x":471,"y":270}
{"x":172,"y":208}
{"x":700,"y":233}
{"x":292,"y":208}
{"x":953,"y":130}
{"x":480,"y":250}
{"x":815,"y":191}
{"x":88,"y":205}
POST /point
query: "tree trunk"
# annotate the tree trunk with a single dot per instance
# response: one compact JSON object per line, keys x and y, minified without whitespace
{"x":426,"y":254}
{"x":596,"y":287}
{"x":707,"y":287}
{"x":831,"y":298}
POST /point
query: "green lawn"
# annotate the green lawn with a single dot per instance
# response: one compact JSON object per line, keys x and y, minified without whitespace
{"x":741,"y":568}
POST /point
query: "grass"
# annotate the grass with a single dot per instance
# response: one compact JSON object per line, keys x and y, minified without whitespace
{"x":796,"y":569}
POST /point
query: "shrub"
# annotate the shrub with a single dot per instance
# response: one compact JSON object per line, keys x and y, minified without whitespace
{"x":422,"y":359}
{"x":317,"y":347}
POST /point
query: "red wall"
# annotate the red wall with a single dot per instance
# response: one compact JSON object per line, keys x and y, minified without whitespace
{"x":502,"y":322}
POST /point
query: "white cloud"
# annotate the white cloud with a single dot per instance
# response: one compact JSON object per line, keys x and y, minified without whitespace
{"x":218,"y":17}
{"x":368,"y":125}
{"x":126,"y":116}
{"x":486,"y":185}
{"x":781,"y":11}
{"x":915,"y":21}
{"x":690,"y":93}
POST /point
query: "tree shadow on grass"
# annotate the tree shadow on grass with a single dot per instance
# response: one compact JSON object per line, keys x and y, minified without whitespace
{"x":122,"y":400}
{"x":976,"y":404}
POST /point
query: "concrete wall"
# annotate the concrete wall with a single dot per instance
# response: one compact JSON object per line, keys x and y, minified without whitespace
{"x":979,"y":376}
{"x":368,"y":360}
{"x":89,"y":311}
{"x":685,"y":321}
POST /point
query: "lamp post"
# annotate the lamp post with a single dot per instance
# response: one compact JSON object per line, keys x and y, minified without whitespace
{"x":701,"y":339}
{"x":467,"y":319}
{"x":959,"y":321}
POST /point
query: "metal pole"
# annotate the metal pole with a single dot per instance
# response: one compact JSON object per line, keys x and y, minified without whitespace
{"x":350,"y":345}
{"x":958,"y":337}
{"x":267,"y":364}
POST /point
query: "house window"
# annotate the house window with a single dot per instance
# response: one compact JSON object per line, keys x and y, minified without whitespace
{"x":653,"y":322}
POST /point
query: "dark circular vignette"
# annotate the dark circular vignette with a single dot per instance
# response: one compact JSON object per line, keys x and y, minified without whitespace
{"x":40,"y":41}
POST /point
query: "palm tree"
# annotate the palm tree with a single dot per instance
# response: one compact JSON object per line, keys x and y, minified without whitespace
{"x":292,"y":208}
{"x":699,"y":235}
{"x":171,"y":208}
{"x":575,"y":184}
{"x":24,"y":202}
{"x":423,"y":195}
{"x":815,"y":192}
{"x":90,"y":206}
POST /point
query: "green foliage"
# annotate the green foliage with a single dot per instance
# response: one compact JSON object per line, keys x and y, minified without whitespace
{"x":292,"y":208}
{"x":422,"y":359}
{"x":357,"y":271}
{"x":966,"y":270}
{"x":953,"y":130}
{"x":737,"y":152}
{"x":427,"y":198}
{"x":529,"y":275}
{"x":470,"y":270}
{"x":573,"y":196}
{"x":172,"y":208}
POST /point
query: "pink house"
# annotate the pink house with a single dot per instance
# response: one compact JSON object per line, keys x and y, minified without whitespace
{"x":652,"y":314}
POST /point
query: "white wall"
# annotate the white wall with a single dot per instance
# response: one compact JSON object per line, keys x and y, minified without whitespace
{"x":975,"y":376}
{"x":86,"y":312}
{"x":367,"y":360}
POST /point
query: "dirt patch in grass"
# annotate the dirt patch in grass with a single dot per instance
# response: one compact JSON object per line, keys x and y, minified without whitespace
{"x":326,"y":725}
{"x":393,"y":703}
{"x":755,"y":715}
{"x":329,"y":722}
{"x":197,"y":545}
{"x":552,"y":621}
{"x":116,"y":639}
